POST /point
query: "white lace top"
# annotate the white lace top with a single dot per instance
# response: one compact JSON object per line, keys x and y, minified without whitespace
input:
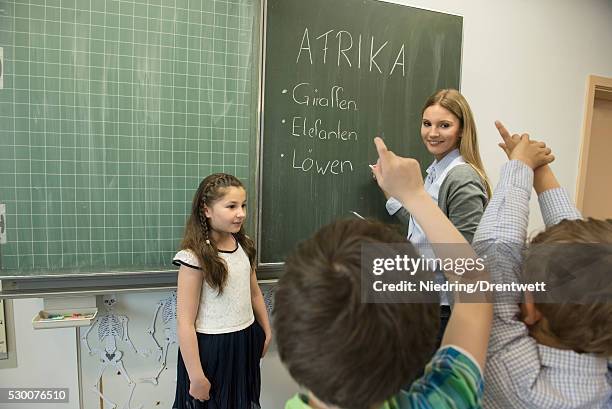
{"x":231,"y":310}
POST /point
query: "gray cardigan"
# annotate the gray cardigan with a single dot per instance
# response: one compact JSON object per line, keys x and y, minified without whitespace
{"x":462,"y":198}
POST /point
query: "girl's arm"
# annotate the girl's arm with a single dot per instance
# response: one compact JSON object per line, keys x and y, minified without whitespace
{"x":187,"y":305}
{"x":259,"y":309}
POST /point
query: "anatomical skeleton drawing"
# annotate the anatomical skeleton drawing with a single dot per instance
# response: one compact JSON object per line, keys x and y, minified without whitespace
{"x":167,"y":306}
{"x":111,"y":329}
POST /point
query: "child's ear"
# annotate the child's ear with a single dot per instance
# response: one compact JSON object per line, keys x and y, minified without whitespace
{"x":530,"y":313}
{"x":206,"y":211}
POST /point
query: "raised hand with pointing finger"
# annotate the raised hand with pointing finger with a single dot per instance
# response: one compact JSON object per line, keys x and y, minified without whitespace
{"x":399,"y":177}
{"x":520,"y":147}
{"x":509,"y":141}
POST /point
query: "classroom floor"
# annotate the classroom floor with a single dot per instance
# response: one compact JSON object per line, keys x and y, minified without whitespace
{"x":276,"y":384}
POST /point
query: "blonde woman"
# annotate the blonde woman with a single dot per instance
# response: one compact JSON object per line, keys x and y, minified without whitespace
{"x":456,"y":179}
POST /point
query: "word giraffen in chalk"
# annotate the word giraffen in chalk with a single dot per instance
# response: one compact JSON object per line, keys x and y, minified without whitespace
{"x":305,"y":94}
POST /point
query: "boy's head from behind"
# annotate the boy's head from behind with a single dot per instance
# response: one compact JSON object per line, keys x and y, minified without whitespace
{"x":347,"y":353}
{"x":577,"y":255}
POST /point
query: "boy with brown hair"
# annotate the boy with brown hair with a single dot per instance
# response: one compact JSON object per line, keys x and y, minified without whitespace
{"x":354,"y":355}
{"x":552,"y":350}
{"x":350,"y":353}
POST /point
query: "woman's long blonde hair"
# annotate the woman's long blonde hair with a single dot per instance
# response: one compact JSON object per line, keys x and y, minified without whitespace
{"x":452,"y":100}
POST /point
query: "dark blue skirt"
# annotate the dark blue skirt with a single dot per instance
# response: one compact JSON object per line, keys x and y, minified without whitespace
{"x":231,"y":363}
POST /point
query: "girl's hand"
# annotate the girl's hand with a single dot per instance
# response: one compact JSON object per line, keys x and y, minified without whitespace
{"x":266,"y":343}
{"x":200,"y":389}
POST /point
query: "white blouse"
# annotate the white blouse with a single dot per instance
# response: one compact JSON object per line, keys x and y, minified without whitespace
{"x":231,"y":310}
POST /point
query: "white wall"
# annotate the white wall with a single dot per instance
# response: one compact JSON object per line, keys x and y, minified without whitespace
{"x":45,"y":358}
{"x":526,"y":64}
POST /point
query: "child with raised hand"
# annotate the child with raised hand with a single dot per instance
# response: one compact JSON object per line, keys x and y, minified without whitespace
{"x":355,"y":355}
{"x":545,"y":352}
{"x":222,"y":323}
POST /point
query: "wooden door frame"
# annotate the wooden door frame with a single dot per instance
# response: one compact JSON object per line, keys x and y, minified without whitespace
{"x":594,"y":84}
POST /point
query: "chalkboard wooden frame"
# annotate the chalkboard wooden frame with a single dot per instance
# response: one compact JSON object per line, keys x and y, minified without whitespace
{"x":435,"y":63}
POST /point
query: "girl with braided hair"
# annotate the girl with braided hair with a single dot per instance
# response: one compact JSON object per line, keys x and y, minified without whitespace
{"x":222,"y":322}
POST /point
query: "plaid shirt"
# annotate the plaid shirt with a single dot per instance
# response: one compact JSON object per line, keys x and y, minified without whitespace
{"x":520,"y":373}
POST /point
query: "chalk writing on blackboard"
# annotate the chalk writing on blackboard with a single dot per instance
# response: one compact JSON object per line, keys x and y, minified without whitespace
{"x":305,"y":94}
{"x":344,"y":51}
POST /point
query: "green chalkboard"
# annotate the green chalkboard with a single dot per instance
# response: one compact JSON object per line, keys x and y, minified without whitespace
{"x":110,"y":115}
{"x":336,"y":74}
